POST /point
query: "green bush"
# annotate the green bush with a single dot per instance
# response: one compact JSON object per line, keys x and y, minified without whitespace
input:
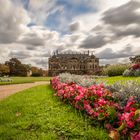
{"x":128,"y":72}
{"x":134,"y":70}
{"x":115,"y":70}
{"x":137,"y":73}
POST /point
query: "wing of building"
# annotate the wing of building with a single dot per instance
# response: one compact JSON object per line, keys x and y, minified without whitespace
{"x":73,"y":63}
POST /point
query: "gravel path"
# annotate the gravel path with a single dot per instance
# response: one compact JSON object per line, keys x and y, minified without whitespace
{"x":7,"y":90}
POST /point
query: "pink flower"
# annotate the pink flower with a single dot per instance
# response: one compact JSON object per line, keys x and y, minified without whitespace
{"x":85,"y":102}
{"x":60,"y":92}
{"x":126,"y":116}
{"x":101,"y":102}
{"x":95,"y":114}
{"x":130,"y":102}
{"x":108,"y":126}
{"x":130,"y":124}
{"x":135,"y":66}
{"x":138,"y":119}
{"x":124,"y":131}
{"x":88,"y":108}
{"x":99,"y":93}
{"x":77,"y":98}
{"x":135,"y":135}
{"x":133,"y":109}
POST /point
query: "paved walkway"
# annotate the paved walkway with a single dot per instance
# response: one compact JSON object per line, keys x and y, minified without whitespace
{"x":7,"y":90}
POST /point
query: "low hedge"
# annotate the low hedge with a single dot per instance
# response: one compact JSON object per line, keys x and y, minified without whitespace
{"x":115,"y":70}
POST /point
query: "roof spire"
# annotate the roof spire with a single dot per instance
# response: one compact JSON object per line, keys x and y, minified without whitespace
{"x":56,"y":51}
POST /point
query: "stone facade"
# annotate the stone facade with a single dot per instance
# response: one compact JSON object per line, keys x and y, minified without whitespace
{"x":73,"y":63}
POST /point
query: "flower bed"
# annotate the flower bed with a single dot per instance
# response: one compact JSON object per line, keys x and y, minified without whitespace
{"x":121,"y":120}
{"x":84,"y":80}
{"x":134,"y":70}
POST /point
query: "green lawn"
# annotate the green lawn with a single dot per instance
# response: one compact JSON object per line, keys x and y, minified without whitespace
{"x":36,"y":114}
{"x":111,"y":80}
{"x":19,"y":80}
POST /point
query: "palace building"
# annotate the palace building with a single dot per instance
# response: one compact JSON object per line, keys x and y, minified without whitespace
{"x":74,"y":63}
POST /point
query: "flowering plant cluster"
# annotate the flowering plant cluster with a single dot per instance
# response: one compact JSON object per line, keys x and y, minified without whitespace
{"x":99,"y":103}
{"x":135,"y":66}
{"x":122,"y":92}
{"x":83,"y":80}
{"x":134,"y":70}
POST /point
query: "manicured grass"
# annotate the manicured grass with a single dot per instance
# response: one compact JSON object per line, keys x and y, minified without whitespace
{"x":114,"y":79}
{"x":109,"y":80}
{"x":36,"y":114}
{"x":19,"y":80}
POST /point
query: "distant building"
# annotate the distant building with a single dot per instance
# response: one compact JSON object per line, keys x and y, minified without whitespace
{"x":73,"y":63}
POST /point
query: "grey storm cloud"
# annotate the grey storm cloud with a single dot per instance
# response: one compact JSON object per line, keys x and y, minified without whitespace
{"x":32,"y":39}
{"x":74,"y":38}
{"x":93,"y":42}
{"x":20,"y":54}
{"x":74,"y":26}
{"x":114,"y":61}
{"x":31,"y":47}
{"x":124,"y":20}
{"x":43,"y":55}
{"x":120,"y":22}
{"x":108,"y":53}
{"x":41,"y":62}
{"x":133,"y":30}
{"x":123,"y":15}
{"x":11,"y":20}
{"x":97,"y":28}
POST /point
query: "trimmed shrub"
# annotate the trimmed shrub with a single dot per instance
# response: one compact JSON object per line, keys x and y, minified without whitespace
{"x":128,"y":72}
{"x":115,"y":70}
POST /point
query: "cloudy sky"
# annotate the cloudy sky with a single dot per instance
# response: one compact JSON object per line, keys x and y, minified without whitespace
{"x":31,"y":30}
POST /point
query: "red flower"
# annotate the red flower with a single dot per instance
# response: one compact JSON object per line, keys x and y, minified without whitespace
{"x":108,"y":126}
{"x":130,"y":124}
{"x":135,"y":66}
{"x":102,"y":102}
{"x":135,"y":135}
{"x":77,"y":98}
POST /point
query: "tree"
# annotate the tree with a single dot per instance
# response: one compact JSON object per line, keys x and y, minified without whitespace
{"x":16,"y":67}
{"x":37,"y":71}
{"x":135,"y":59}
{"x":4,"y":70}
